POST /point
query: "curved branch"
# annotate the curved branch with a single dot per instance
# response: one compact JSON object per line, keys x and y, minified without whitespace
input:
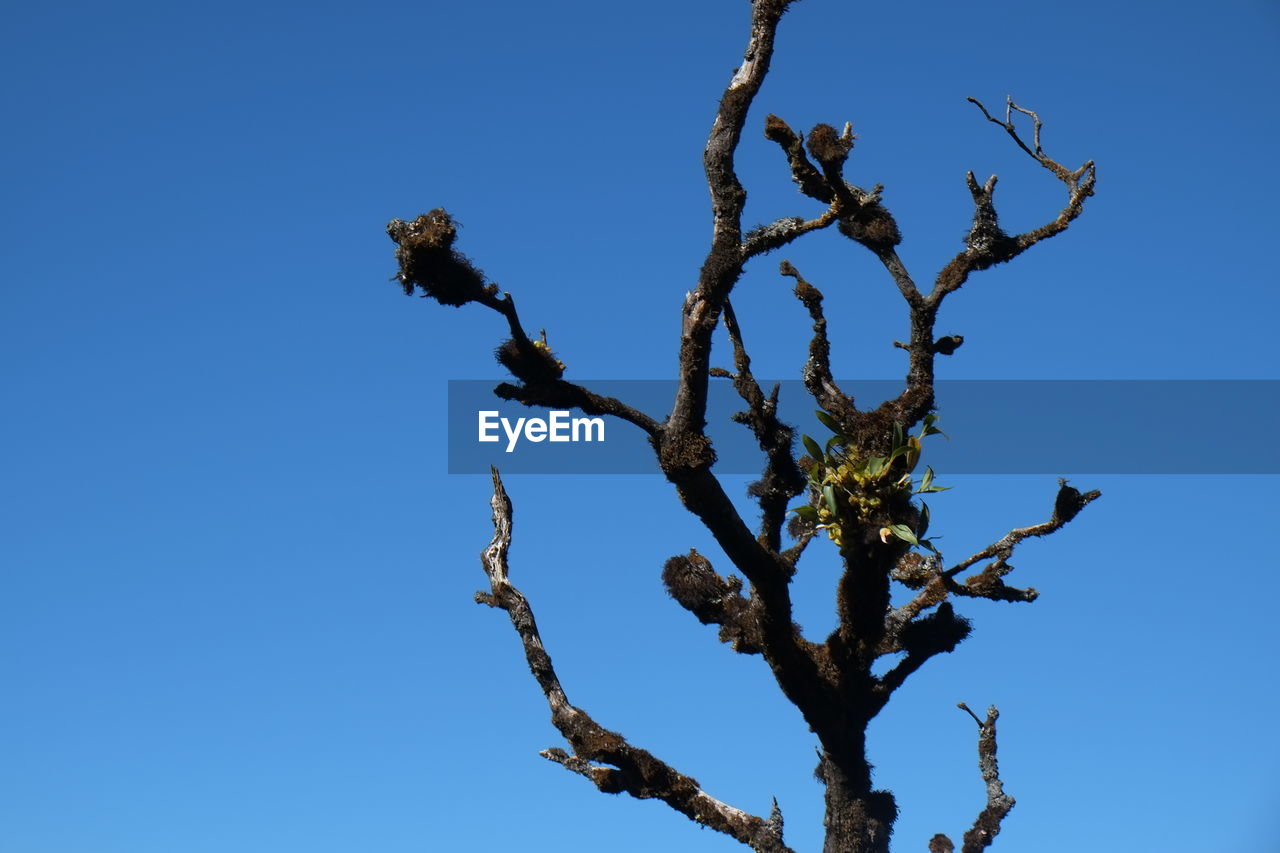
{"x":603,"y":756}
{"x":723,"y":265}
{"x":922,"y":639}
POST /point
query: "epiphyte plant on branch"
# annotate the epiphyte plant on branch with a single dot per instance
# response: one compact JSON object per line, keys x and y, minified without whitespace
{"x":858,"y":490}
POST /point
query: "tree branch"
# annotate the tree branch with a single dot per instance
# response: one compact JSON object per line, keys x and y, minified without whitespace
{"x":816,"y":373}
{"x":862,"y":217}
{"x":988,"y":583}
{"x":782,"y":479}
{"x":603,"y":756}
{"x":923,"y":638}
{"x":723,"y":265}
{"x":987,"y":825}
{"x":794,"y":661}
{"x":807,"y":178}
{"x":986,"y":244}
{"x":715,"y":600}
{"x":428,"y":262}
{"x":558,"y":393}
{"x":777,"y":234}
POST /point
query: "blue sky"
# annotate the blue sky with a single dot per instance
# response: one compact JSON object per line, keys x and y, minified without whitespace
{"x":236,"y":607}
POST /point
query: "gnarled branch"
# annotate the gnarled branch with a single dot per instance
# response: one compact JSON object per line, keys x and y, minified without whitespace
{"x":987,"y":825}
{"x":986,"y":244}
{"x":605,"y":757}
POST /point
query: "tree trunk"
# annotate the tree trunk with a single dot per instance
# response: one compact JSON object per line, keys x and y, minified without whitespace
{"x":857,"y":819}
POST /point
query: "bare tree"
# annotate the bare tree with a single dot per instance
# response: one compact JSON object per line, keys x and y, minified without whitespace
{"x":859,"y":489}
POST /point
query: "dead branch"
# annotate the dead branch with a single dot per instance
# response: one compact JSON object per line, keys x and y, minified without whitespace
{"x":987,"y":825}
{"x":559,"y":394}
{"x":935,"y":585}
{"x":807,"y":178}
{"x":986,"y":244}
{"x":605,"y":757}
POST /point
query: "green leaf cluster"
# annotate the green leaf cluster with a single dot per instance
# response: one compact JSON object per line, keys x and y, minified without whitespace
{"x":843,"y":480}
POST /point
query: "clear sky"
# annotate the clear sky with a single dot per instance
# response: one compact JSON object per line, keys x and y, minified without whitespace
{"x":235,"y":607}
